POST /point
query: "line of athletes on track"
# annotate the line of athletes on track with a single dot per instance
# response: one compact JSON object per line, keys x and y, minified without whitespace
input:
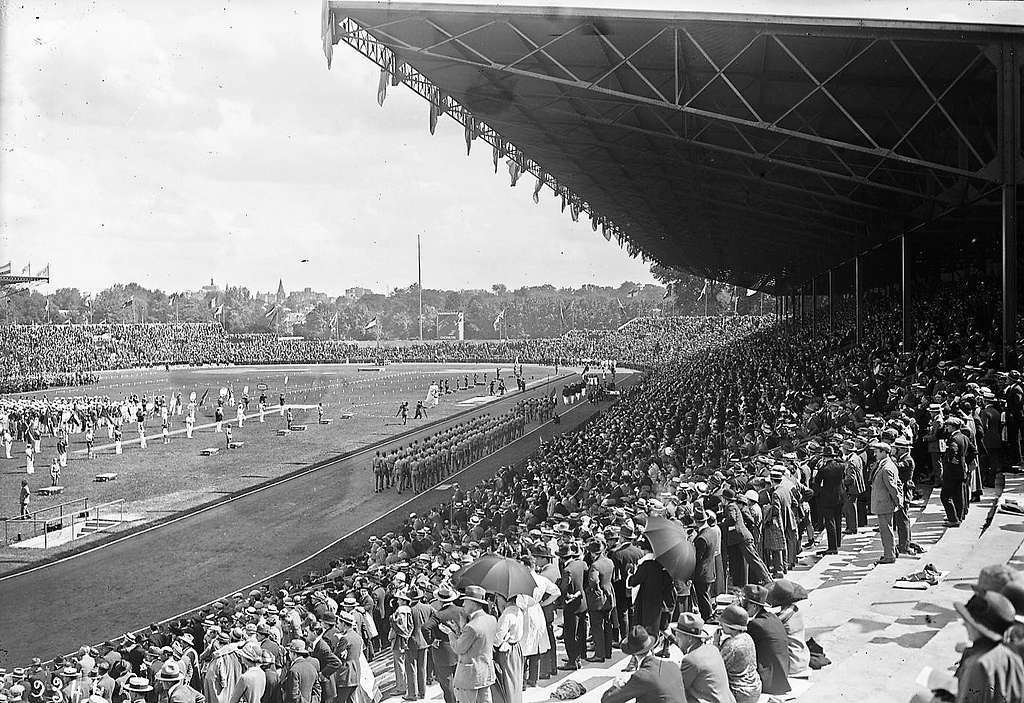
{"x":426,"y":462}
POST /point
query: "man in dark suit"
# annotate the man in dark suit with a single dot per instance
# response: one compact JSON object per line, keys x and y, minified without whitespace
{"x":770,"y":642}
{"x":704,"y":568}
{"x":574,"y":605}
{"x":302,"y":675}
{"x":347,"y":644}
{"x":442,"y":655}
{"x":828,"y":492}
{"x":323,"y":653}
{"x":655,"y":680}
{"x":655,"y":595}
{"x":624,"y":556}
{"x":600,"y":601}
{"x":416,"y":652}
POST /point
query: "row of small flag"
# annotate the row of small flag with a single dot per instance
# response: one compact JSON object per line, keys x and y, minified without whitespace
{"x":44,"y":272}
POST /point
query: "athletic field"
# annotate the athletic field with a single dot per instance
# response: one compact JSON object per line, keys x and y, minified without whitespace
{"x":164,"y":479}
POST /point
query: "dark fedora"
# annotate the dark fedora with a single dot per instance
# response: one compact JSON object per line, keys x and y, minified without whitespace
{"x":638,"y":641}
{"x":990,"y":613}
{"x":785,"y":592}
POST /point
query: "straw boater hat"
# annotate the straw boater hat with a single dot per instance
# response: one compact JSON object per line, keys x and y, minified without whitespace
{"x":170,"y":672}
{"x":476,"y":594}
{"x":137,"y":684}
{"x":446,"y":595}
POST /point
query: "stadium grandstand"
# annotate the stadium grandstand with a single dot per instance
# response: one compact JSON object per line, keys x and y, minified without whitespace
{"x":819,"y":504}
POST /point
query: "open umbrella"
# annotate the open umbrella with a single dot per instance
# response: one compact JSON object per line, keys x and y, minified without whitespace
{"x":672,"y":547}
{"x":496,"y":574}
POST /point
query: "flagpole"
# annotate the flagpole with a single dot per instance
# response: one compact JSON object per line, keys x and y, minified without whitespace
{"x":707,"y":297}
{"x":419,"y":275}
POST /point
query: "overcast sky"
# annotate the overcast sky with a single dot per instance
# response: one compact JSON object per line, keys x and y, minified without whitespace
{"x":168,"y":143}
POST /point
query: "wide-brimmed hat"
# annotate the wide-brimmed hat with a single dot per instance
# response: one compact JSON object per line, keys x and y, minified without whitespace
{"x":882,"y":446}
{"x":690,"y":624}
{"x":754,"y":593}
{"x":346,"y":617}
{"x":786,"y":592}
{"x":138,"y":684}
{"x":990,"y":613}
{"x":298,"y":646}
{"x":638,"y":641}
{"x":446,"y":595}
{"x":995,"y":577}
{"x":734,"y":617}
{"x":169,"y":672}
{"x":474,"y":593}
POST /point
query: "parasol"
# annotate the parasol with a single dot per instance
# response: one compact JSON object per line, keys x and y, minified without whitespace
{"x":672,"y":547}
{"x":496,"y":574}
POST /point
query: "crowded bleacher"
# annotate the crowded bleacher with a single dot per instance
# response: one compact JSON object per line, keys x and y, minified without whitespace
{"x":758,"y":442}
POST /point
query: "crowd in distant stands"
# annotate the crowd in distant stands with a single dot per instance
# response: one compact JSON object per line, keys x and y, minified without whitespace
{"x":760,"y":443}
{"x":35,"y":357}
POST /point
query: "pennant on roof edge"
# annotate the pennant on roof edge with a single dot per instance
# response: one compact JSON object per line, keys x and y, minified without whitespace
{"x":433,"y":116}
{"x":593,"y":223}
{"x":495,"y":155}
{"x":469,"y":134}
{"x":563,"y":201}
{"x":514,"y":171}
{"x":396,"y":76}
{"x":536,"y":188}
{"x":382,"y":86}
{"x":607,"y":232}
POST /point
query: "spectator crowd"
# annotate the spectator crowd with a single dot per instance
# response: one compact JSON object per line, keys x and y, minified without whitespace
{"x":757,"y":443}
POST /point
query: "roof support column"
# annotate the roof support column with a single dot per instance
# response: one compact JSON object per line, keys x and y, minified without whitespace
{"x":831,"y":293}
{"x":802,"y":307}
{"x":814,"y":304}
{"x":905,"y":288}
{"x":1009,"y":149}
{"x":858,"y":291}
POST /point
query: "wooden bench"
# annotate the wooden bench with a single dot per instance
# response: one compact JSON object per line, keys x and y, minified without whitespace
{"x":50,"y":490}
{"x":209,"y":451}
{"x":103,"y":478}
{"x":298,"y":428}
{"x":236,"y":445}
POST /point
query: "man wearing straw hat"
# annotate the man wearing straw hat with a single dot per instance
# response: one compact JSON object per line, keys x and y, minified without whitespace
{"x":171,"y":679}
{"x":705,"y":679}
{"x":654,"y":681}
{"x":250,"y":686}
{"x":442,"y":655}
{"x":474,"y":645}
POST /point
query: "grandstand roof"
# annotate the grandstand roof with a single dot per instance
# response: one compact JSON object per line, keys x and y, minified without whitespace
{"x":752,"y":149}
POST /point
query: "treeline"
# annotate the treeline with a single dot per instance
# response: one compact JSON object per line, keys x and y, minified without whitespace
{"x":532,"y":311}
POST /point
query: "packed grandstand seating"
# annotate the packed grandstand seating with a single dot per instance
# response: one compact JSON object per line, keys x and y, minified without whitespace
{"x":734,"y":425}
{"x":40,"y":356}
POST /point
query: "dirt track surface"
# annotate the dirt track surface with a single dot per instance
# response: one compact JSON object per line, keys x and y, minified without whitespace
{"x":183,"y":564}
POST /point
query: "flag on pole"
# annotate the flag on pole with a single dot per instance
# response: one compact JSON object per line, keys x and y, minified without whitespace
{"x":219,"y":311}
{"x":703,"y":291}
{"x":668,"y":291}
{"x":536,"y":188}
{"x":273,"y":312}
{"x":498,"y":319}
{"x":514,"y":171}
{"x":27,"y":271}
{"x":751,"y":292}
{"x":128,"y":303}
{"x":44,"y":273}
{"x":370,"y":325}
{"x":213,"y":303}
{"x":5,"y":270}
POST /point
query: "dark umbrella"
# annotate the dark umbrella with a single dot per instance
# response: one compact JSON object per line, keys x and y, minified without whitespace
{"x":672,"y":547}
{"x":496,"y":574}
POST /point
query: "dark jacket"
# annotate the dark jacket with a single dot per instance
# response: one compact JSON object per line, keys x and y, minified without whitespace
{"x":828,"y":484}
{"x":734,"y":528}
{"x":421,"y":612}
{"x":772,"y":648}
{"x":704,"y":568}
{"x":302,"y":681}
{"x":656,"y":680}
{"x":600,"y":574}
{"x":441,"y":650}
{"x":348,"y":648}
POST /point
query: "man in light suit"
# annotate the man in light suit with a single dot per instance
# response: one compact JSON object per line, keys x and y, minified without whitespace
{"x":474,"y":645}
{"x":705,"y":679}
{"x":655,"y":680}
{"x":886,"y":498}
{"x":347,"y":644}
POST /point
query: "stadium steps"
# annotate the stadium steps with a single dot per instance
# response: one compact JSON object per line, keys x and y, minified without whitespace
{"x":92,"y":526}
{"x":867,"y":626}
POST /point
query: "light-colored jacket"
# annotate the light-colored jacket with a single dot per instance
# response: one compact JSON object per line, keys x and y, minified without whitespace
{"x":534,"y":639}
{"x":886,"y":492}
{"x":474,"y":646}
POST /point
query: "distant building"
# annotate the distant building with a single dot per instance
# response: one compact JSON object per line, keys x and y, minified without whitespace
{"x":210,"y":289}
{"x":356,"y":292}
{"x":281,"y":295}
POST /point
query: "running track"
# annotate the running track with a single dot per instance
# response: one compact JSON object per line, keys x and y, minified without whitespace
{"x":153,"y":575}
